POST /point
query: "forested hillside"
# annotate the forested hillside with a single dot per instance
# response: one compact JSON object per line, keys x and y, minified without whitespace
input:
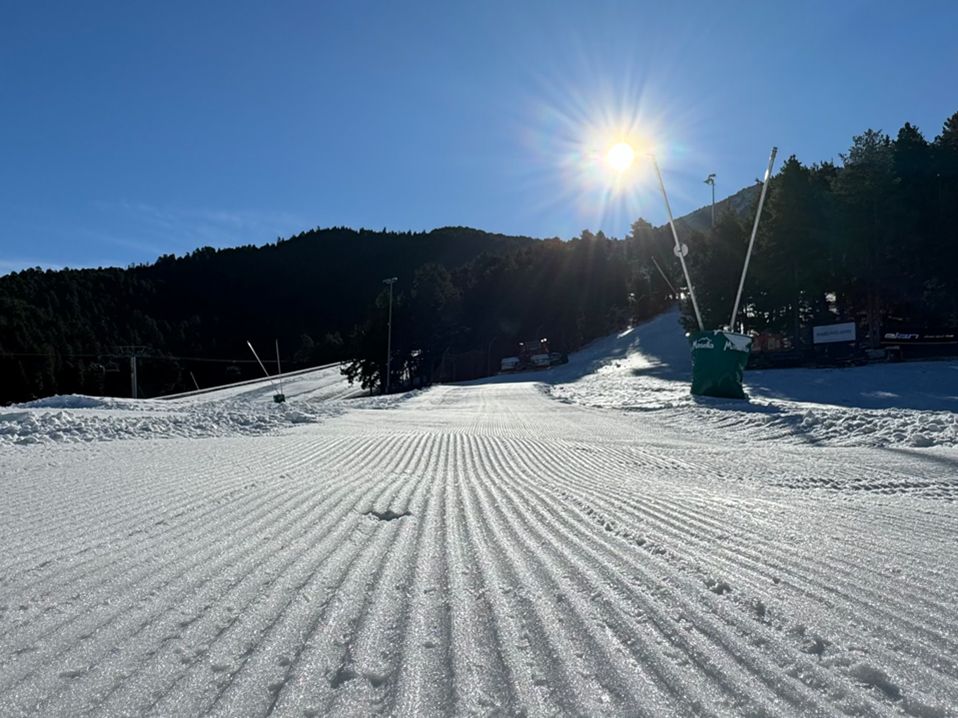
{"x":62,"y":331}
{"x":873,"y":240}
{"x":464,"y":297}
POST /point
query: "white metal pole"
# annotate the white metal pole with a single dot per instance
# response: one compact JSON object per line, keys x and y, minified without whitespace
{"x":751,"y":241}
{"x":133,"y":375}
{"x":250,"y":345}
{"x":279,"y":370}
{"x":389,"y":338}
{"x":711,"y":181}
{"x":679,"y":250}
{"x":389,"y":332}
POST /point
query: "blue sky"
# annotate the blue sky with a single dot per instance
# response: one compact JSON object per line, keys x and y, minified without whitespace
{"x":133,"y":129}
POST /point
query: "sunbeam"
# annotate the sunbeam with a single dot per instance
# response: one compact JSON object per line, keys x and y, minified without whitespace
{"x":588,"y":152}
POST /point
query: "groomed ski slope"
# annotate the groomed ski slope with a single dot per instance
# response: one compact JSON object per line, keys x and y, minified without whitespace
{"x":502,"y":548}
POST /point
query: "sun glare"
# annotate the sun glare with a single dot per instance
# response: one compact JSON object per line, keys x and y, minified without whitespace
{"x":589,"y":153}
{"x":620,"y":156}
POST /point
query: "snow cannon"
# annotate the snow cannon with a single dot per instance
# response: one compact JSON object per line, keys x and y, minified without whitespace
{"x":718,"y":363}
{"x":719,"y":356}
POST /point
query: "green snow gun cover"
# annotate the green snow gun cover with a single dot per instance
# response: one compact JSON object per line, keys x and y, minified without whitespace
{"x":718,"y":361}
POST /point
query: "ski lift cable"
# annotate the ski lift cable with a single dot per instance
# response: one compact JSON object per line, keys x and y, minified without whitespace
{"x":99,"y":355}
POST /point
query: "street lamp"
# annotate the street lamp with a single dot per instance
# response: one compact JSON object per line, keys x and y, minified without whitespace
{"x":389,"y":330}
{"x":489,"y":355}
{"x":711,"y":180}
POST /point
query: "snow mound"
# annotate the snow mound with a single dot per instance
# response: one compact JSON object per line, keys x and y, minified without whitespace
{"x":246,"y":410}
{"x":648,"y":368}
{"x":69,"y":401}
{"x":39,"y":426}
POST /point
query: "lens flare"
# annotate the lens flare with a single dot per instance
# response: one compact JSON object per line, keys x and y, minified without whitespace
{"x":587,"y":142}
{"x":620,"y":156}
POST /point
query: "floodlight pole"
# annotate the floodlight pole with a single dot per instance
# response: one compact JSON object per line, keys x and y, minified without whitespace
{"x":389,"y":331}
{"x":680,"y":249}
{"x":134,"y":352}
{"x":711,"y":180}
{"x":133,"y":376}
{"x":489,"y":355}
{"x":751,"y":241}
{"x":279,"y":369}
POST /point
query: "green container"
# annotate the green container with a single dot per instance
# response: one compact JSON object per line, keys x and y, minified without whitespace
{"x":718,"y":361}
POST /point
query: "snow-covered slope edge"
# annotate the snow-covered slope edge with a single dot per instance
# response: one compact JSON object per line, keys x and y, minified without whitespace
{"x":241,"y":410}
{"x":647,"y":368}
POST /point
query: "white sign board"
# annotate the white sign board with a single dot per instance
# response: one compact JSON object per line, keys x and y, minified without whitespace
{"x":834,"y":333}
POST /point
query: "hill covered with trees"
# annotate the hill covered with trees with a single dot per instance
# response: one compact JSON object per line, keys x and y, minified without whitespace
{"x":464,"y":297}
{"x":62,"y":331}
{"x":872,"y":240}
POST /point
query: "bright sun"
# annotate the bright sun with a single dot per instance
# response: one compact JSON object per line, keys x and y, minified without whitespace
{"x":620,"y":156}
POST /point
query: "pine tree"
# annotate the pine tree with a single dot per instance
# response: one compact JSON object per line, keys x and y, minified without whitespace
{"x":790,"y":264}
{"x":715,"y":265}
{"x":944,"y":291}
{"x":913,"y":217}
{"x":864,"y":189}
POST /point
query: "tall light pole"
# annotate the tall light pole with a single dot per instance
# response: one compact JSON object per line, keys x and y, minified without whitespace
{"x":489,"y":355}
{"x":389,"y":331}
{"x":711,"y":180}
{"x":133,"y":352}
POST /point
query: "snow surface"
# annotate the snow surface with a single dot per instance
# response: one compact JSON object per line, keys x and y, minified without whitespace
{"x":487,"y":549}
{"x":648,"y":368}
{"x":241,"y":409}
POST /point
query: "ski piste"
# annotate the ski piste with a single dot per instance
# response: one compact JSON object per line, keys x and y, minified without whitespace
{"x":590,"y":539}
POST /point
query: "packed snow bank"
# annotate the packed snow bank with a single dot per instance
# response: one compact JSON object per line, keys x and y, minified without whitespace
{"x":71,"y":401}
{"x":33,"y":427}
{"x":486,"y":550}
{"x":648,"y":368}
{"x":234,"y":411}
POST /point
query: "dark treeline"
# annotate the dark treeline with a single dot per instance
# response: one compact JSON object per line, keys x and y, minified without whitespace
{"x":60,"y":331}
{"x":874,"y":240}
{"x":464,"y":299}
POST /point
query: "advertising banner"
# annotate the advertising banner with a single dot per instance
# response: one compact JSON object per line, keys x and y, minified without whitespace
{"x":830,"y":333}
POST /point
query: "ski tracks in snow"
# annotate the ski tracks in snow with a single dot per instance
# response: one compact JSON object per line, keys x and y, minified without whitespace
{"x":477,"y":551}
